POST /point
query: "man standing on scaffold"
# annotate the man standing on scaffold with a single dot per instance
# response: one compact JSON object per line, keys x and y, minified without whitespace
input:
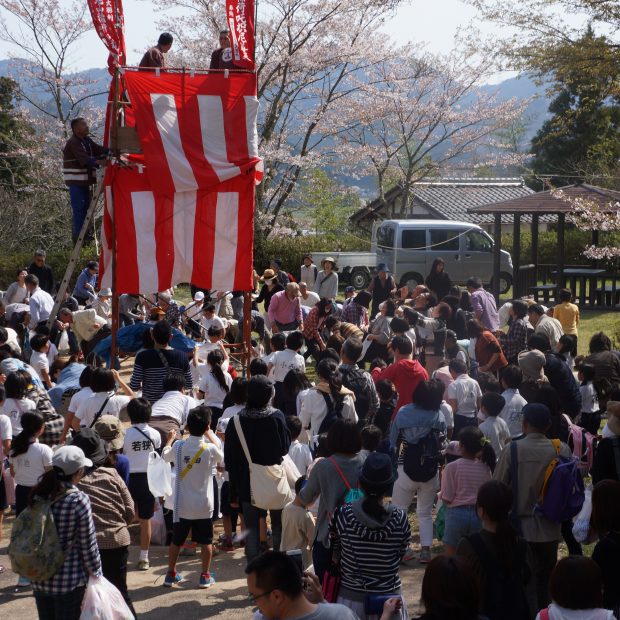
{"x":81,"y":158}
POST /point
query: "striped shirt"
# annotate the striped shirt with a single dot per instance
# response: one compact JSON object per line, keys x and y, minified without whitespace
{"x":149,"y":372}
{"x":461,"y":480}
{"x":74,"y":523}
{"x":370,"y":556}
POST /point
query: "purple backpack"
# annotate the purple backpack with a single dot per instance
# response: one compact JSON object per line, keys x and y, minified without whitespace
{"x":563,"y":493}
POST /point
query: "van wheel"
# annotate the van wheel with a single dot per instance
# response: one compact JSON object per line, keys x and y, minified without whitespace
{"x":505,"y":282}
{"x":411,"y":280}
{"x":360,"y":278}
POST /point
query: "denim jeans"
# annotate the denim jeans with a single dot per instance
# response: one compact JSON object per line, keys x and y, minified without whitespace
{"x":460,"y":521}
{"x":251,"y":516}
{"x":80,"y":200}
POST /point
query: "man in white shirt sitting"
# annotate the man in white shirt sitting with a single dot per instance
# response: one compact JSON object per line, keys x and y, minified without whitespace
{"x":41,"y":303}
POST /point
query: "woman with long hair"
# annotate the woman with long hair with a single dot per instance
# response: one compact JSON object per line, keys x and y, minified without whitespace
{"x":313,"y":327}
{"x":438,"y":279}
{"x":460,"y":483}
{"x":60,"y":596}
{"x":487,"y":349}
{"x":17,"y":293}
{"x":498,"y":557}
{"x":295,"y":387}
{"x":214,"y":386}
{"x":369,"y":538}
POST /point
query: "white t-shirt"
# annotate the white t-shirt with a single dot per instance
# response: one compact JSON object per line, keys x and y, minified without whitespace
{"x":447,"y":414}
{"x":30,"y":466}
{"x":90,"y":407}
{"x":314,"y":410}
{"x":229,"y":412}
{"x":216,"y":321}
{"x":300,"y":455}
{"x":466,"y":392}
{"x":39,"y":361}
{"x":286,"y":360}
{"x":13,"y":408}
{"x":311,"y":300}
{"x":511,"y":413}
{"x":214,"y":394}
{"x":497,"y":432}
{"x":589,"y":398}
{"x":194,"y":498}
{"x":6,"y":432}
{"x":137,"y":447}
{"x":561,"y":613}
{"x":78,"y":398}
{"x":175,"y":405}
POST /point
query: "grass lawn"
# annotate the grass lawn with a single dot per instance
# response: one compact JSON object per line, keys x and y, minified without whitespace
{"x":593,"y":321}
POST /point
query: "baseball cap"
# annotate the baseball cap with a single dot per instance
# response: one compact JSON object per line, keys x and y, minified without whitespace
{"x":349,"y":289}
{"x":199,"y":296}
{"x":70,"y":459}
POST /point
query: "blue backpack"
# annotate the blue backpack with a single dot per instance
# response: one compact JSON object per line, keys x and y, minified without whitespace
{"x":563,"y":493}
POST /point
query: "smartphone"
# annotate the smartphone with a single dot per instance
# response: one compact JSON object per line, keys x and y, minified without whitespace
{"x":295,"y":554}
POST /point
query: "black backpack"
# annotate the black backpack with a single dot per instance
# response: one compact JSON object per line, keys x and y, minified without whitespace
{"x":421,"y":460}
{"x":503,"y":590}
{"x":334,"y":412}
{"x":353,"y":378}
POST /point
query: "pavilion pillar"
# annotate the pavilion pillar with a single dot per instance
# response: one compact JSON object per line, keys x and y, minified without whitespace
{"x":497,"y":247}
{"x":534,"y":249}
{"x":561,"y":252}
{"x":516,"y":256}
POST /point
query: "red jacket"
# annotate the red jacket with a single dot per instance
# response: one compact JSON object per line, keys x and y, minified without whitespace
{"x":406,"y":375}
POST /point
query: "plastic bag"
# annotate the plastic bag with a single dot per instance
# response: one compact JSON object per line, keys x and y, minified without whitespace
{"x":159,"y":476}
{"x":158,"y":526}
{"x":103,"y":601}
{"x":581,"y":527}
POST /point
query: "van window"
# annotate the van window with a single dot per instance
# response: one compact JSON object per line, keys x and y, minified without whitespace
{"x":385,"y":237}
{"x":414,"y":238}
{"x":444,"y":239}
{"x":476,"y":241}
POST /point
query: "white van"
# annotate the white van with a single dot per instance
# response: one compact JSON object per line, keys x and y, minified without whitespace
{"x":409,"y":247}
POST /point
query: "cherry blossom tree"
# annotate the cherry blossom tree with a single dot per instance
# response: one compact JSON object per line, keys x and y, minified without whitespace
{"x":418,"y":114}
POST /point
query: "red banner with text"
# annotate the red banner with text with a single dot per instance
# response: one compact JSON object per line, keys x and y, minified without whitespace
{"x":240,"y":16}
{"x":109,"y":23}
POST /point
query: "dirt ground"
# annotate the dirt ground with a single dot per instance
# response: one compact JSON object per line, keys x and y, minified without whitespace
{"x":227,"y":599}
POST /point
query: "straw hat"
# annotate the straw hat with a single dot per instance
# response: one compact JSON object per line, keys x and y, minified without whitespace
{"x":268,"y":274}
{"x":329,"y":259}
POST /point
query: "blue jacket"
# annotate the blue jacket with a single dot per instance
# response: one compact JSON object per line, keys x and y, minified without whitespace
{"x":412,"y":423}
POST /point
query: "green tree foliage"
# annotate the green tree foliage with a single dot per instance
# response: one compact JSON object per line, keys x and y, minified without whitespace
{"x":15,"y":139}
{"x":582,"y":138}
{"x":326,"y":205}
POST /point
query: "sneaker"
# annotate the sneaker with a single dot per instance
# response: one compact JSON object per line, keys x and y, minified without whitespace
{"x":226,"y":544}
{"x":409,"y":555}
{"x":425,"y":556}
{"x":23,"y":582}
{"x":189,"y":548}
{"x":143,"y":565}
{"x":206,"y":580}
{"x":172,"y":579}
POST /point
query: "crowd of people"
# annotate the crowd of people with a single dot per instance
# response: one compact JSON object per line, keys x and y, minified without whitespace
{"x":357,"y":412}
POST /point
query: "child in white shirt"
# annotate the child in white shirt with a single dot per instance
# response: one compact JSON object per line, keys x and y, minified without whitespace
{"x":42,"y":358}
{"x":299,"y":452}
{"x":493,"y":427}
{"x":590,"y":417}
{"x":298,"y":527}
{"x":194,"y":460}
{"x":16,"y":403}
{"x":140,"y":441}
{"x":512,"y":377}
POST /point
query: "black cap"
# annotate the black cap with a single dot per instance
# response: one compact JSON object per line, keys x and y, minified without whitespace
{"x":260,"y":391}
{"x":92,"y":445}
{"x":537,"y":415}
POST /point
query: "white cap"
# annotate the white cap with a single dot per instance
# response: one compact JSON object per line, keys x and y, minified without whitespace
{"x":199,"y":296}
{"x":70,"y":459}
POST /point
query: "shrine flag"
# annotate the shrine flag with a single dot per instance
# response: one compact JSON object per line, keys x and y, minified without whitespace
{"x":240,"y":16}
{"x":109,"y":23}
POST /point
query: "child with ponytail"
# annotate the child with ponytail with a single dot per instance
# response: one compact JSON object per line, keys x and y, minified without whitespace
{"x":498,"y":557}
{"x":460,"y":483}
{"x":214,"y":386}
{"x":28,"y":458}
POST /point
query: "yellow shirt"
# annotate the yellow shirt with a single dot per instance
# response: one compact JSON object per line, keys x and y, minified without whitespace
{"x":568,"y":315}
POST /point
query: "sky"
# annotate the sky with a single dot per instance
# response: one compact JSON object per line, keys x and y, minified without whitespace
{"x":434,"y":22}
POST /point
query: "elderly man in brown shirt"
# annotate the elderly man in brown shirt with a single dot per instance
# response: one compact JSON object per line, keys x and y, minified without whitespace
{"x":154,"y":58}
{"x":534,"y":453}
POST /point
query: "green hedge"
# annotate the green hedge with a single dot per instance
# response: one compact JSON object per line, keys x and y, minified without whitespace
{"x":56,"y":260}
{"x":292,"y":249}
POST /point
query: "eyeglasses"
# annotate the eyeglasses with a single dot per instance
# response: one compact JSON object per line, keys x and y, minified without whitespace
{"x":255,"y":597}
